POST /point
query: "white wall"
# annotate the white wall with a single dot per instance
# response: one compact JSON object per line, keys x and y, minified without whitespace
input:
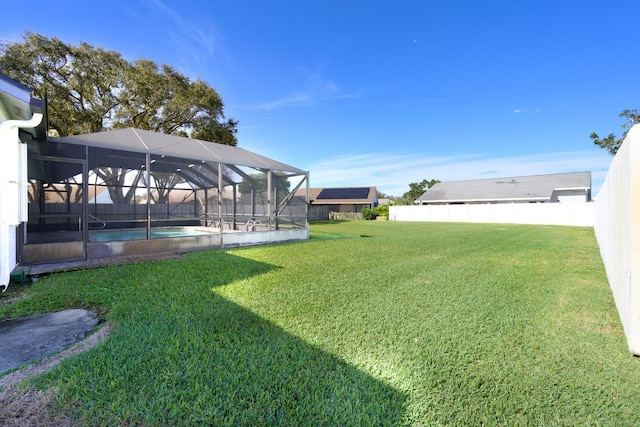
{"x":9,"y":200}
{"x":617,"y":229}
{"x":576,"y":214}
{"x":13,"y":188}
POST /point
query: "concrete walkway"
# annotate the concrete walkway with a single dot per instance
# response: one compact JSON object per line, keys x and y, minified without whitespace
{"x":27,"y":339}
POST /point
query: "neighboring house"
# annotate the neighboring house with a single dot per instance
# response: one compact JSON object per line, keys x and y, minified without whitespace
{"x":551,"y":188}
{"x":340,"y":201}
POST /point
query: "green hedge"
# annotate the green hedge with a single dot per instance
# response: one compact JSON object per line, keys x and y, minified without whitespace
{"x":369,"y":214}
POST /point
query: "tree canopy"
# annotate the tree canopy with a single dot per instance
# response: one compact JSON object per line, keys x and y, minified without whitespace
{"x":90,"y":89}
{"x":258,"y":183}
{"x":611,"y":143}
{"x":417,"y":189}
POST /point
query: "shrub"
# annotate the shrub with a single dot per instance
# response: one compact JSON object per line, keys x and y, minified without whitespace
{"x":369,"y":214}
{"x":382,"y":210}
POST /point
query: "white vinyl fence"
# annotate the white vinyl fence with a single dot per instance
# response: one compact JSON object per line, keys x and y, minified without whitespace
{"x":617,"y":229}
{"x":577,"y":214}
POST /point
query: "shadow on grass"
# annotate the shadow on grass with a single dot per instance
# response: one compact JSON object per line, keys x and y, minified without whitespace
{"x":184,"y":355}
{"x":323,"y":235}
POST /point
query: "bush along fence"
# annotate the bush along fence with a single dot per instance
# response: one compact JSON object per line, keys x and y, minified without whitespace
{"x":379,"y":212}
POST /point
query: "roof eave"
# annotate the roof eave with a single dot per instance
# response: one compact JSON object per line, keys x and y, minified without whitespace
{"x":493,"y":200}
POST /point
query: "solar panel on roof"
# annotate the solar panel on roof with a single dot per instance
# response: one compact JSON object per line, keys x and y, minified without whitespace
{"x":344,"y":193}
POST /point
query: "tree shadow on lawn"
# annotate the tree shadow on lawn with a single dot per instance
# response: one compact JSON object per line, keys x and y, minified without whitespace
{"x":204,"y":359}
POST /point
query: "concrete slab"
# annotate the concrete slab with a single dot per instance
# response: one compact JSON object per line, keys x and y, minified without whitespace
{"x":37,"y":270}
{"x":27,"y":339}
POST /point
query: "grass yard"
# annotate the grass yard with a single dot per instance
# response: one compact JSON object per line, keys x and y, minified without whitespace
{"x":368,"y":323}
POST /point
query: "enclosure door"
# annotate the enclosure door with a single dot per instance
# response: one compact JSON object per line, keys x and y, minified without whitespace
{"x":57,"y":224}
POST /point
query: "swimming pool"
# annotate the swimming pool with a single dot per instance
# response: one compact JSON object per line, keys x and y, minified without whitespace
{"x":141,"y":233}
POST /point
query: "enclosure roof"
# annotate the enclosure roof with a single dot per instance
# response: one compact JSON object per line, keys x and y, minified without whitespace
{"x":521,"y":188}
{"x":143,"y":141}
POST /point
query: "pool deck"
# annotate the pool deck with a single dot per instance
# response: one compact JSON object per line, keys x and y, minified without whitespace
{"x":36,"y":270}
{"x":50,"y":258}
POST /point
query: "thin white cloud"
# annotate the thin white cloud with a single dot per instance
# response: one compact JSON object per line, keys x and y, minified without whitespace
{"x":392,"y":173}
{"x":185,"y":34}
{"x":527,"y":110}
{"x":299,"y":99}
{"x":316,"y":88}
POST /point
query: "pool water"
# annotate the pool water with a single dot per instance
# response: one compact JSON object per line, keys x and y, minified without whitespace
{"x":141,"y":234}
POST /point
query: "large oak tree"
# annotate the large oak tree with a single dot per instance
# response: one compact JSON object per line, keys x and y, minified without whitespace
{"x":90,"y":89}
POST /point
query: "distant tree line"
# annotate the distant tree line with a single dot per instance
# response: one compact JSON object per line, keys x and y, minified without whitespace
{"x":416,"y":189}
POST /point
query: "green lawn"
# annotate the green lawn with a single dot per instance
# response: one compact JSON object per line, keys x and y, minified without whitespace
{"x":368,"y":323}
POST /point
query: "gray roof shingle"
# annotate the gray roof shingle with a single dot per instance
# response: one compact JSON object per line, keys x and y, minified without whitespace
{"x":519,"y":188}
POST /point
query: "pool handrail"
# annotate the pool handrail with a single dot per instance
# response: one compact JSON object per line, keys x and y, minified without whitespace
{"x":251,"y":225}
{"x":96,"y":219}
{"x":215,"y":221}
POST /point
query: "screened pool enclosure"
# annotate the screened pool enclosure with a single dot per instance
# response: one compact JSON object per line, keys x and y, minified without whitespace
{"x":128,"y":192}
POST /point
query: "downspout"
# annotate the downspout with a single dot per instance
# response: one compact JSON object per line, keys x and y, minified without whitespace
{"x":13,"y":189}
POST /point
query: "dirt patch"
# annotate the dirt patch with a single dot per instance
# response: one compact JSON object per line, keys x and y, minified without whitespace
{"x":31,"y":407}
{"x":9,"y":301}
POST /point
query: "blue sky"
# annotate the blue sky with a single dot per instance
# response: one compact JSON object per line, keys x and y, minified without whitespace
{"x":387,"y":93}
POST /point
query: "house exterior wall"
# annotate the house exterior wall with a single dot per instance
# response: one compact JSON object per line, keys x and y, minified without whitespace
{"x":15,"y":113}
{"x":351,"y":208}
{"x":8,"y":176}
{"x":318,"y":213}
